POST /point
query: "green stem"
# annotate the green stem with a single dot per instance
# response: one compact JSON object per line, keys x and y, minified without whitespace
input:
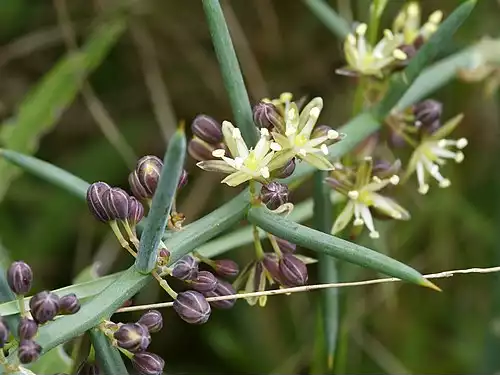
{"x":325,"y":13}
{"x":377,"y":9}
{"x":259,"y":251}
{"x":230,"y":69}
{"x":22,"y":308}
{"x":108,"y":356}
{"x":275,"y":245}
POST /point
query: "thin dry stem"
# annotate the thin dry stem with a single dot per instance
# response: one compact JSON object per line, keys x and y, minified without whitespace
{"x":307,"y":288}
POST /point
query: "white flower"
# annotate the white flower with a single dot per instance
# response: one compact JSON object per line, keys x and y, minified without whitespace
{"x":363,"y":196}
{"x":245,"y":164}
{"x":297,"y":141}
{"x":433,"y":152}
{"x":370,"y":60}
{"x":408,"y":24}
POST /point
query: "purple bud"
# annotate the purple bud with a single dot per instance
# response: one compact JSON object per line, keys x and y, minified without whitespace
{"x":95,"y":201}
{"x":4,"y":333}
{"x":226,"y":268}
{"x":293,"y":270}
{"x":207,"y":129}
{"x":285,"y":171}
{"x":274,"y":195}
{"x":192,"y":307}
{"x":223,"y":289}
{"x":185,"y":268}
{"x":28,"y":351}
{"x":271,"y":264}
{"x":183,"y":180}
{"x":69,"y":304}
{"x":148,"y":363}
{"x":200,"y":150}
{"x":152,"y":320}
{"x":135,"y":210}
{"x":44,"y":306}
{"x":116,"y":203}
{"x":27,"y":329}
{"x":135,"y":186}
{"x":148,"y":173}
{"x":134,"y":337}
{"x":265,"y":115}
{"x":428,"y":114}
{"x":286,"y":246}
{"x":204,"y":282}
{"x":20,"y":277}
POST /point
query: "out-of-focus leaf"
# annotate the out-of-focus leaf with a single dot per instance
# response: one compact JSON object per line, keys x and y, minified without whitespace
{"x":325,"y":13}
{"x":52,"y":362}
{"x":42,"y":107}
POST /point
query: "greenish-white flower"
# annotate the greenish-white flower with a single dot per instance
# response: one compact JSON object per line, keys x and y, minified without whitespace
{"x":362,"y":192}
{"x":297,"y":140}
{"x":408,"y":25}
{"x":433,"y":152}
{"x":243,"y":164}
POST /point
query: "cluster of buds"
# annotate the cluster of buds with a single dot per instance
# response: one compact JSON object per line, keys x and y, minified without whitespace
{"x":44,"y":307}
{"x":283,"y":267}
{"x":133,"y":339}
{"x":286,"y":134}
{"x":396,"y":47}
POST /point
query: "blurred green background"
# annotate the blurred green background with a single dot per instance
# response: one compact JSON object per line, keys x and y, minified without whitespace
{"x":163,"y":69}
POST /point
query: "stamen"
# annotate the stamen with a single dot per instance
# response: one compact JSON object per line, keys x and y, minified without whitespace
{"x":459,"y":157}
{"x":324,"y":149}
{"x":286,"y":97}
{"x":423,"y":189}
{"x":361,"y":29}
{"x":218,"y":153}
{"x":353,"y":194}
{"x":436,"y":17}
{"x":358,"y":222}
{"x":332,"y":134}
{"x":264,"y":172}
{"x":376,"y":179}
{"x":413,"y":10}
{"x":367,"y":158}
{"x":394,"y":179}
{"x":399,"y":54}
{"x":374,"y":234}
{"x":444,"y":183}
{"x":275,"y":146}
{"x":264,"y":132}
{"x":462,"y":143}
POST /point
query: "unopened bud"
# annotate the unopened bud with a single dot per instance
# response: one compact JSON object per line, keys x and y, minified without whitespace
{"x":201,"y":150}
{"x":183,"y":180}
{"x":271,"y":264}
{"x":135,"y":186}
{"x":135,"y":210}
{"x":223,"y":289}
{"x":192,"y":307}
{"x":20,"y":277}
{"x":44,"y":306}
{"x":148,"y":172}
{"x":293,"y":270}
{"x":204,"y":282}
{"x":28,"y":351}
{"x":116,"y":203}
{"x":133,"y":337}
{"x":226,"y":267}
{"x":152,"y":320}
{"x":95,"y":201}
{"x":285,"y":171}
{"x":69,"y":304}
{"x":428,"y":114}
{"x":274,"y":195}
{"x":185,"y":268}
{"x":265,"y":115}
{"x":27,"y":329}
{"x":286,"y":246}
{"x":207,"y":129}
{"x":4,"y":333}
{"x":148,"y":363}
{"x":163,"y":257}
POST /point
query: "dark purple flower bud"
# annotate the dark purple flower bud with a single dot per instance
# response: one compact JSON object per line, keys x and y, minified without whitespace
{"x":116,"y":203}
{"x":223,"y":289}
{"x":207,"y":129}
{"x":322,"y":131}
{"x":183,"y":180}
{"x":285,"y":171}
{"x":152,"y":320}
{"x":293,"y":270}
{"x":428,"y":114}
{"x":274,"y":195}
{"x":135,"y":186}
{"x":44,"y":306}
{"x":95,"y":201}
{"x":148,"y":363}
{"x":27,"y":329}
{"x":204,"y":282}
{"x":134,"y":337}
{"x":69,"y":304}
{"x":20,"y":277}
{"x":385,"y":169}
{"x":28,"y":351}
{"x":89,"y":368}
{"x":4,"y":333}
{"x":226,"y":267}
{"x":396,"y":140}
{"x":201,"y":150}
{"x":265,"y":115}
{"x":185,"y":268}
{"x":192,"y":307}
{"x":135,"y":210}
{"x":286,"y":246}
{"x":148,"y":172}
{"x":271,"y":264}
{"x":163,"y":257}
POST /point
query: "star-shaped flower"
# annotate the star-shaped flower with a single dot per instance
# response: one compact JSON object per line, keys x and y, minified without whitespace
{"x":407,"y":24}
{"x":432,"y":153}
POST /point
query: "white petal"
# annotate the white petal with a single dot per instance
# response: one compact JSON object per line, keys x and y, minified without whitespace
{"x":227,"y":131}
{"x":368,"y":220}
{"x":215,"y":166}
{"x":236,"y":178}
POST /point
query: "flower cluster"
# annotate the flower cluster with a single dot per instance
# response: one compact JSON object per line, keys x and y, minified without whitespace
{"x":43,"y":308}
{"x":286,"y":134}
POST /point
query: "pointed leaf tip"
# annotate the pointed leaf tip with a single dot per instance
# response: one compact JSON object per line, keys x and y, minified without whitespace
{"x":430,"y":285}
{"x":181,"y":127}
